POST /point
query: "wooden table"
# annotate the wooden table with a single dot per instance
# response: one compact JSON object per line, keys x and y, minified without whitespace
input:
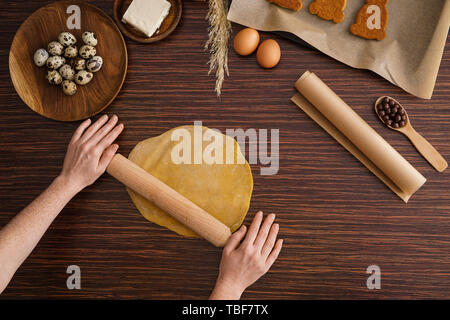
{"x":336,"y":217}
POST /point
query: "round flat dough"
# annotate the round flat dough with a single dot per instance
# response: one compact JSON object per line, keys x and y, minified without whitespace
{"x":222,"y":190}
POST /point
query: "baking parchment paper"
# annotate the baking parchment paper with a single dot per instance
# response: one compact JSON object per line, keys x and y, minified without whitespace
{"x":337,"y":118}
{"x":409,"y":56}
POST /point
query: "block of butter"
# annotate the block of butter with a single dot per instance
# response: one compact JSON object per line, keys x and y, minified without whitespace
{"x":146,"y":15}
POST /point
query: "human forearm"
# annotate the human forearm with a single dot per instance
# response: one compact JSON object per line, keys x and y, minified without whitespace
{"x":89,"y":152}
{"x":19,"y":237}
{"x":226,"y":291}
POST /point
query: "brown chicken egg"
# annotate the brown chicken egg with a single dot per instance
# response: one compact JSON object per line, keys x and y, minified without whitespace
{"x":268,"y":54}
{"x":246,"y":41}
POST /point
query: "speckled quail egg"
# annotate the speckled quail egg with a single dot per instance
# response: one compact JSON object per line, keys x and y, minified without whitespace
{"x":83,"y":77}
{"x":94,"y":64}
{"x":87,"y":51}
{"x":67,"y":39}
{"x":55,"y":48}
{"x":40,"y":57}
{"x":71,"y":52}
{"x":67,"y":72}
{"x":78,"y":63}
{"x":54,"y":77}
{"x":89,"y":38}
{"x":54,"y":62}
{"x":69,"y":87}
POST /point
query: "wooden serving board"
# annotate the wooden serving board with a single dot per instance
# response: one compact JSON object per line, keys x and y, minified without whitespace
{"x":42,"y":27}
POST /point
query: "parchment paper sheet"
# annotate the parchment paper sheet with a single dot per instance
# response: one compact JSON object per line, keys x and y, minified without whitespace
{"x":409,"y":56}
{"x":351,"y":131}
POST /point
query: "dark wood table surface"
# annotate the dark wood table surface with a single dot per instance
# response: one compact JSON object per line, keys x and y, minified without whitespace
{"x":336,"y":217}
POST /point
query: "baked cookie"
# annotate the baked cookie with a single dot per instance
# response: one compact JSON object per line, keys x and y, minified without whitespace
{"x":295,"y":5}
{"x":372,"y":20}
{"x":329,"y":9}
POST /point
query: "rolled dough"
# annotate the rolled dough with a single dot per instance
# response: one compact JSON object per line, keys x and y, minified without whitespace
{"x":223,"y":190}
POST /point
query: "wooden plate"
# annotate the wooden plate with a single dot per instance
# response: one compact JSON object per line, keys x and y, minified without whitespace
{"x":167,"y":26}
{"x":48,"y":100}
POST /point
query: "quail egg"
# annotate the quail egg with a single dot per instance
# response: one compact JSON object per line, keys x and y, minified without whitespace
{"x":94,"y":64}
{"x":69,"y":87}
{"x":71,"y":52}
{"x":67,"y":39}
{"x":78,"y":63}
{"x":83,"y":77}
{"x":87,"y":51}
{"x":55,"y":62}
{"x":67,"y":72}
{"x":89,"y":38}
{"x":40,"y":57}
{"x":54,"y":77}
{"x":81,"y":63}
{"x":55,"y":48}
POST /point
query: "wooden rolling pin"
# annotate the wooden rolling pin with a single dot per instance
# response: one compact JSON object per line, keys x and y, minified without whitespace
{"x":163,"y":196}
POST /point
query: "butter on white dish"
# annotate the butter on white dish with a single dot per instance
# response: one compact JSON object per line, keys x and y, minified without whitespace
{"x":146,"y":15}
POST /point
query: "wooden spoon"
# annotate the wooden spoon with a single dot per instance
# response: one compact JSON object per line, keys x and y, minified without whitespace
{"x":421,"y":144}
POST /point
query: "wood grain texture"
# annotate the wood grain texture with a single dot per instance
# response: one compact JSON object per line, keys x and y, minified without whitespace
{"x":335,"y":217}
{"x":44,"y":26}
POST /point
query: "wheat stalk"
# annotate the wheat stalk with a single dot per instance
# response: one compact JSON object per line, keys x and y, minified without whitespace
{"x":217,"y":44}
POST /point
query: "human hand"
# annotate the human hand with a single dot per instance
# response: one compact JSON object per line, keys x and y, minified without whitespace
{"x":244,"y":263}
{"x":89,"y":152}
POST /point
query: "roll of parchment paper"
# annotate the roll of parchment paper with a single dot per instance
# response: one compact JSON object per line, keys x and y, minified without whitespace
{"x":350,"y":130}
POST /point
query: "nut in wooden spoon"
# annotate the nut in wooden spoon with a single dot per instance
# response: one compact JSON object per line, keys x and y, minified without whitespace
{"x":394,"y":115}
